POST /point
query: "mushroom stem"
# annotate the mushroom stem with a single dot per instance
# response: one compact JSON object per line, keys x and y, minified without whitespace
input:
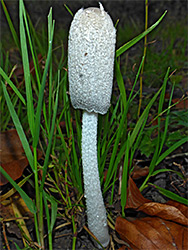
{"x":96,"y":212}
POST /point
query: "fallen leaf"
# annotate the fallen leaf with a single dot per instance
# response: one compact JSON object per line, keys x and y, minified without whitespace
{"x":139,"y":172}
{"x":172,"y":210}
{"x":181,"y":207}
{"x":165,"y":211}
{"x":134,"y":197}
{"x":166,"y":229}
{"x":152,"y":233}
{"x":13,"y":160}
{"x":12,"y":156}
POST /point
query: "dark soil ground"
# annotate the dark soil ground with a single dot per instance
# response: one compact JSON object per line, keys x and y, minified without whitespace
{"x":123,"y":10}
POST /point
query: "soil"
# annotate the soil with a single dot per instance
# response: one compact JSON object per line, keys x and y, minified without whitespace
{"x":178,"y":161}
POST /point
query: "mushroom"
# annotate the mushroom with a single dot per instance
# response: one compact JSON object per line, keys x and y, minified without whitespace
{"x":91,"y":50}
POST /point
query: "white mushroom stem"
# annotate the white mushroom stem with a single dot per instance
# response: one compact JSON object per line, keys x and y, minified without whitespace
{"x":96,"y":212}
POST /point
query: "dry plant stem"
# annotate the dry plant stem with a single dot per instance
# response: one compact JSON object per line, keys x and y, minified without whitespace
{"x":70,"y":205}
{"x":96,"y":212}
{"x":5,"y":237}
{"x":145,"y":48}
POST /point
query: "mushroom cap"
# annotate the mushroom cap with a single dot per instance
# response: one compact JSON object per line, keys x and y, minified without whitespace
{"x":91,"y":50}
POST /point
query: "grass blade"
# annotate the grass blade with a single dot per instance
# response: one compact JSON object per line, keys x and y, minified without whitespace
{"x":41,"y":93}
{"x":136,"y":79}
{"x":171,"y":149}
{"x":156,"y":161}
{"x":50,"y":137}
{"x":53,"y":210}
{"x":111,"y":168}
{"x":16,"y":91}
{"x":17,"y":247}
{"x":129,"y":44}
{"x":142,"y":119}
{"x":68,"y":9}
{"x":125,"y":178}
{"x":51,"y":222}
{"x":121,"y":127}
{"x":25,"y":59}
{"x":50,"y":70}
{"x":29,"y":203}
{"x":171,"y":195}
{"x":31,"y":48}
{"x":19,"y":128}
{"x":11,"y":26}
{"x":167,"y":170}
{"x":121,"y":84}
{"x":167,"y":120}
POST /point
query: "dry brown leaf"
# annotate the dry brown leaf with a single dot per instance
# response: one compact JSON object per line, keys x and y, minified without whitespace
{"x":139,"y":172}
{"x":172,"y":210}
{"x":167,"y":230}
{"x":7,"y":211}
{"x":153,"y":233}
{"x":134,"y":197}
{"x":165,"y":211}
{"x":13,"y":160}
{"x":181,"y":207}
{"x":12,"y":156}
{"x":6,"y":207}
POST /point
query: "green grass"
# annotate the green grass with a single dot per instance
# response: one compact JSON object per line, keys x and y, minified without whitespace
{"x":39,"y":108}
{"x":167,"y":47}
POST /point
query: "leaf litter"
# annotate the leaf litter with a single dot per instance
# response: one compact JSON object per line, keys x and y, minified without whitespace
{"x":13,"y":210}
{"x":12,"y":157}
{"x":164,"y":226}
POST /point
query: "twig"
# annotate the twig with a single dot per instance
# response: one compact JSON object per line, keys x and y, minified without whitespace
{"x":5,"y":237}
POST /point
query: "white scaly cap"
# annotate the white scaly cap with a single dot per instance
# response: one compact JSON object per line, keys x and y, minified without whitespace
{"x":91,"y":50}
